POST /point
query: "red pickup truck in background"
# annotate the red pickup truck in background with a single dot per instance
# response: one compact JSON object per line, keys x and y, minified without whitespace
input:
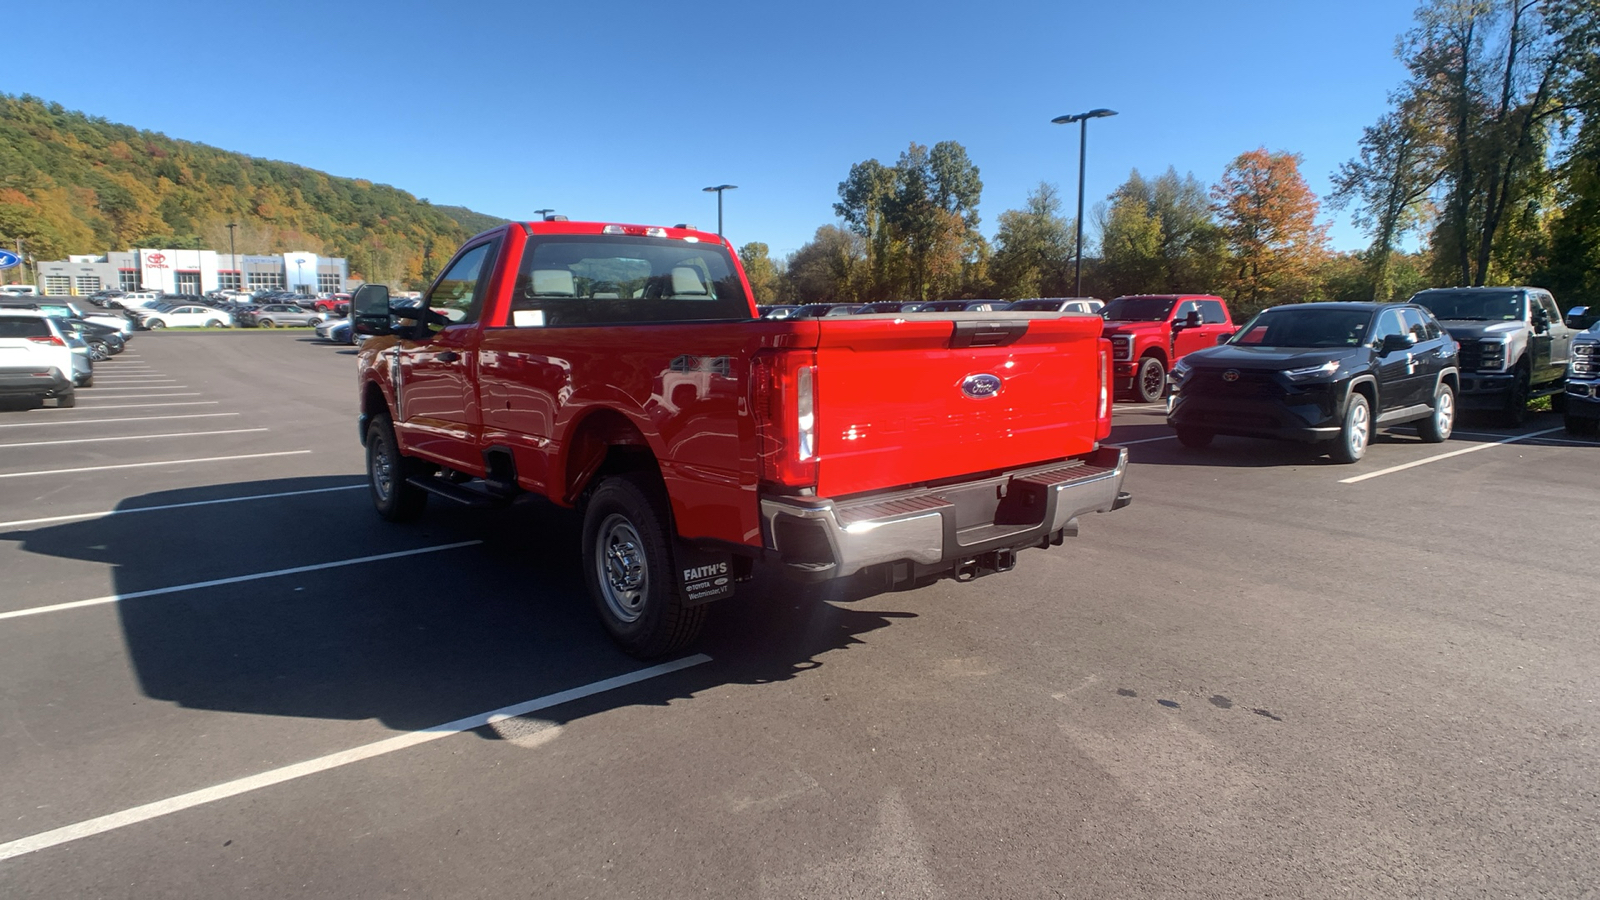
{"x":1151,"y":332}
{"x":622,"y":369}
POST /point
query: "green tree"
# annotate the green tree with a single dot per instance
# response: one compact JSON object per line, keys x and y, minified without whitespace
{"x":1160,"y":236}
{"x":1034,"y":248}
{"x":760,"y":271}
{"x":831,"y":268}
{"x":1389,"y":184}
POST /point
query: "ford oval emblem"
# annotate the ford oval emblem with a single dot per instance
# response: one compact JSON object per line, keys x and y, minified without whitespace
{"x":981,"y":385}
{"x":1231,"y":375}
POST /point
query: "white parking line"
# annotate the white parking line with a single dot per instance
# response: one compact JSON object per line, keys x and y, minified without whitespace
{"x":142,"y":465}
{"x":123,"y":419}
{"x":237,"y":579}
{"x":89,"y":828}
{"x":133,"y":406}
{"x":140,"y":387}
{"x":140,"y":396}
{"x":1431,"y":459}
{"x":129,"y":437}
{"x":20,"y":523}
{"x":100,"y":378}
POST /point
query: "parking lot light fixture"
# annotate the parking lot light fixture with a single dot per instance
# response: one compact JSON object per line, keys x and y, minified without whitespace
{"x":1083,"y":149}
{"x":541,"y":213}
{"x":719,"y":189}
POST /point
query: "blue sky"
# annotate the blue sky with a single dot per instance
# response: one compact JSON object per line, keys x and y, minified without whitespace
{"x":623,"y":111}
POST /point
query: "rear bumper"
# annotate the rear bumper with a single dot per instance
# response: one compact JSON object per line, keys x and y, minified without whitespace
{"x":34,"y":383}
{"x":967,"y":526}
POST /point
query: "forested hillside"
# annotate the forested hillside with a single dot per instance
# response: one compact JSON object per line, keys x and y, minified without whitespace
{"x":71,"y":183}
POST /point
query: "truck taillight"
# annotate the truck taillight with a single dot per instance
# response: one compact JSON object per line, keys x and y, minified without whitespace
{"x":50,"y":339}
{"x":1104,"y":414}
{"x":784,"y":405}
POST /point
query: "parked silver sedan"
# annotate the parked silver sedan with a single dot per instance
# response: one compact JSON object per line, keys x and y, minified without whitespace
{"x":274,"y":315}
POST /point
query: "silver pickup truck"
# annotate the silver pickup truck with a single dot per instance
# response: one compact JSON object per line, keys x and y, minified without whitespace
{"x":1514,"y":345}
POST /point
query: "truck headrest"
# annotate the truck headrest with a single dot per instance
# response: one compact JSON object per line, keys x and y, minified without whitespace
{"x":553,"y":283}
{"x":687,"y":281}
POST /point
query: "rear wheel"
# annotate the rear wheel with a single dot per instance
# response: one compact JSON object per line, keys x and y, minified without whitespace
{"x":314,"y":321}
{"x":88,"y":381}
{"x":1356,"y":431}
{"x":154,"y":324}
{"x":1195,"y":437}
{"x":629,"y":570}
{"x":387,"y":470}
{"x":265,"y":323}
{"x":213,"y":323}
{"x":99,"y":352}
{"x":1436,"y":428}
{"x":1151,"y":381}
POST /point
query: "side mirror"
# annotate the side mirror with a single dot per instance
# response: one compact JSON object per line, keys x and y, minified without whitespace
{"x":1193,"y":319}
{"x":1396,"y":342}
{"x":1541,"y":320}
{"x":369,"y":310}
{"x":1577,"y":317}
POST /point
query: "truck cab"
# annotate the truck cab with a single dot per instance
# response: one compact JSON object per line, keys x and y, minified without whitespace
{"x":1514,"y":345}
{"x":1149,"y":333}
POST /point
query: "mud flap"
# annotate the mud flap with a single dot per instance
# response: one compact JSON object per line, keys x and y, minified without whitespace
{"x":705,"y":575}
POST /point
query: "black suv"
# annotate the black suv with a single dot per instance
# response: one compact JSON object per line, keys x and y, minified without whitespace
{"x":1318,"y":372}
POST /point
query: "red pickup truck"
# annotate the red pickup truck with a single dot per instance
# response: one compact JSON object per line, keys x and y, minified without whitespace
{"x":621,"y":369}
{"x":1149,"y":333}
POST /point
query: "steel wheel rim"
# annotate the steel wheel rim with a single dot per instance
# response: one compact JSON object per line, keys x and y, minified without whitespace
{"x":382,"y":469}
{"x":1359,"y":426}
{"x":1444,"y":415}
{"x":622,"y":569}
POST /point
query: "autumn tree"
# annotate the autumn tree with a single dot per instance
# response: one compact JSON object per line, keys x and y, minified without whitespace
{"x":1034,"y":248}
{"x":1269,"y":218}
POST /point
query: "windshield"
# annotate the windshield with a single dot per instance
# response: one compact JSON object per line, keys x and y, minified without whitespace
{"x":1306,"y":328}
{"x":1138,"y":309}
{"x":1491,"y":306}
{"x":585,"y":280}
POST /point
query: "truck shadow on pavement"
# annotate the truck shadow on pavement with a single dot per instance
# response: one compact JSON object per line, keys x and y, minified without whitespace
{"x":414,"y":641}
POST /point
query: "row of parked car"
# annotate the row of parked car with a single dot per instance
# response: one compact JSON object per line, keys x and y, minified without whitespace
{"x":47,"y":352}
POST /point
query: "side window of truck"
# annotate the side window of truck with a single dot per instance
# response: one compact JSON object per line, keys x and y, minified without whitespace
{"x":456,"y":295}
{"x":1212,"y":313}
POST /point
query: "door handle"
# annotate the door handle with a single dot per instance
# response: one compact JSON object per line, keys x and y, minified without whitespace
{"x":447,"y":356}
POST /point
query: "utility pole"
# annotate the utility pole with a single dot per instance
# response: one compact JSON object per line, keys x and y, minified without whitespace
{"x":1083,"y":151}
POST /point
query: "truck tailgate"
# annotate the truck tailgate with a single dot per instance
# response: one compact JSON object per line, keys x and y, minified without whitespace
{"x":906,"y":400}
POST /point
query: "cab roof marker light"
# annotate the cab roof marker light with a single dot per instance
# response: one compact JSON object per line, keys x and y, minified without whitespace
{"x":613,"y":229}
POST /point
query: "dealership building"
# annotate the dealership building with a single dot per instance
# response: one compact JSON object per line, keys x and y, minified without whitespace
{"x":192,"y":272}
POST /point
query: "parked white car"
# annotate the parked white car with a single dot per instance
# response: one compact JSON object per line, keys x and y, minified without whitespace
{"x":35,"y":359}
{"x":137,"y":299}
{"x":188,"y":315}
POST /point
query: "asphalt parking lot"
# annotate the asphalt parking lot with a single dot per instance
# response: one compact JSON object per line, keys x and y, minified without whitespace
{"x":1271,"y":676}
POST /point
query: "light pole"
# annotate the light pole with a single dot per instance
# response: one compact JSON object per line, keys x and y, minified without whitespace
{"x":235,"y":257}
{"x":541,"y":213}
{"x":719,"y":189}
{"x":1083,"y":151}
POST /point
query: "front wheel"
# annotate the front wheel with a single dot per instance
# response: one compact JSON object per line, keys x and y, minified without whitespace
{"x":1578,"y":425}
{"x":387,"y":470}
{"x":1516,"y":408}
{"x":1195,"y":438}
{"x":265,"y":323}
{"x":314,"y":321}
{"x":1356,"y":431}
{"x":1436,"y":428}
{"x":629,"y":569}
{"x":155,"y":324}
{"x":213,"y":323}
{"x":99,"y":352}
{"x":1151,"y":382}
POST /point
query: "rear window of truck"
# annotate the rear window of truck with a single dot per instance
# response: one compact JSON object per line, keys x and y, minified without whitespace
{"x":575,"y":280}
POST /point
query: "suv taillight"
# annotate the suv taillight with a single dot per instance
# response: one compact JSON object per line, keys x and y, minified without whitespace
{"x":50,"y":339}
{"x":784,"y":405}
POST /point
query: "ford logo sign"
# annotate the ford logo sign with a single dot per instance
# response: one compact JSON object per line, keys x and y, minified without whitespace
{"x":981,"y":385}
{"x":1231,"y":375}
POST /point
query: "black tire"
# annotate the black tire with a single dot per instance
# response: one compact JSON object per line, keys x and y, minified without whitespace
{"x":1356,"y":431}
{"x":213,"y":323}
{"x":629,"y":569}
{"x":1195,"y":438}
{"x":99,"y":352}
{"x":1436,"y":428}
{"x":1580,"y":426}
{"x":314,"y":321}
{"x":387,"y":471}
{"x":88,"y":382}
{"x":1150,"y":382}
{"x":154,"y":324}
{"x":67,"y":400}
{"x":265,"y":323}
{"x":1558,"y":401}
{"x":1516,"y":409}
